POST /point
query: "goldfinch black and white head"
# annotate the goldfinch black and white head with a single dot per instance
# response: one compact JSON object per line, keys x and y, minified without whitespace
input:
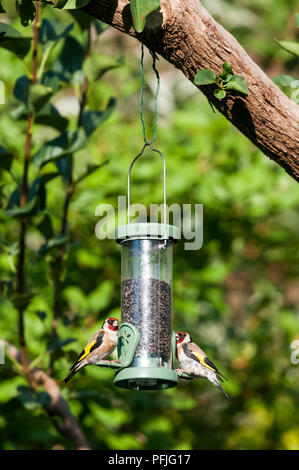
{"x":110,"y":325}
{"x":182,"y":337}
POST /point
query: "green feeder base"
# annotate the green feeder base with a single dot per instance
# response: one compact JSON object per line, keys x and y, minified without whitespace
{"x":146,"y":378}
{"x":139,"y":378}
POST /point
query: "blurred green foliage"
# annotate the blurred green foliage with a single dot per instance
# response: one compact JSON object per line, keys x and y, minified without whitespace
{"x":238,"y":296}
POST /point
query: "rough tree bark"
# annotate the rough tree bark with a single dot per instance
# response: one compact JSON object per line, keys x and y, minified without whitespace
{"x":187,"y":36}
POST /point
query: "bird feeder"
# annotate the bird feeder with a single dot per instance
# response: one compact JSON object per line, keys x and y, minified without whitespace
{"x":146,"y":343}
{"x":146,"y":300}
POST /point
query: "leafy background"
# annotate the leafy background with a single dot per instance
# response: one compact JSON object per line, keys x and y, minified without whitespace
{"x":238,"y":296}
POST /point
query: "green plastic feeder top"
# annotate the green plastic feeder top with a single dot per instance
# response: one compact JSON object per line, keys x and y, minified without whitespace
{"x":147,"y":230}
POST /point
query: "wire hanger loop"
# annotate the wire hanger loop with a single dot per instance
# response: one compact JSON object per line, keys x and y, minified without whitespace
{"x":148,"y":144}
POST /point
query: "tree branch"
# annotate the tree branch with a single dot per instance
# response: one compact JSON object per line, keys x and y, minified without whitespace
{"x":187,"y":36}
{"x":58,"y":408}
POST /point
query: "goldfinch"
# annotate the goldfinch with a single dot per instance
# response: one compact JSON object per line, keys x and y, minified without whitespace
{"x":194,"y":361}
{"x":100,"y":345}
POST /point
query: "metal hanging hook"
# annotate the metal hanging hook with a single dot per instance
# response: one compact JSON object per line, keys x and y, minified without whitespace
{"x":148,"y":144}
{"x":155,"y":58}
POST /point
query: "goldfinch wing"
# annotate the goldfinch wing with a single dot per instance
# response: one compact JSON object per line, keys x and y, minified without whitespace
{"x":198,"y":355}
{"x":205,"y":361}
{"x":94,"y":343}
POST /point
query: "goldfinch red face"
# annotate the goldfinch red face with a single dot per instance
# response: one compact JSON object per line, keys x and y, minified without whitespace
{"x":111,"y":324}
{"x":182,"y":337}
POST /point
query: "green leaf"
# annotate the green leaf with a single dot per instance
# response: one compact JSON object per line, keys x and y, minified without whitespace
{"x":100,"y":27}
{"x":38,"y":97}
{"x":33,"y":400}
{"x":52,"y":80}
{"x":45,"y":226}
{"x":65,"y":144}
{"x":297,"y":20}
{"x":33,"y":96}
{"x":21,"y":89}
{"x":46,"y":177}
{"x":51,"y":244}
{"x":3,"y":240}
{"x":47,"y":116}
{"x":71,"y":4}
{"x":20,"y":301}
{"x":283,"y":80}
{"x":238,"y":83}
{"x":140,"y":9}
{"x":13,"y":41}
{"x":92,"y":119}
{"x":84,"y":20}
{"x":5,"y":159}
{"x":70,"y":59}
{"x":227,"y":68}
{"x":90,"y":169}
{"x":205,"y":77}
{"x":52,"y":31}
{"x":58,"y":344}
{"x":41,"y":314}
{"x":1,"y":8}
{"x":65,"y":167}
{"x":290,"y":46}
{"x":14,"y":199}
{"x":289,"y":85}
{"x":36,"y":198}
{"x":26,"y":11}
{"x":226,"y":78}
{"x":26,"y":210}
{"x":96,"y":65}
{"x":20,"y":113}
{"x":220,"y":94}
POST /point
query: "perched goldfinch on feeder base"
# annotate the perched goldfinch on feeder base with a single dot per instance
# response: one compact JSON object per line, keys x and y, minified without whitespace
{"x":100,"y":345}
{"x":194,"y":361}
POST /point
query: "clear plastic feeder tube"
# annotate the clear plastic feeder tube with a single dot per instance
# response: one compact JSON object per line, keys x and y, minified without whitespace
{"x":146,"y":303}
{"x":146,"y":298}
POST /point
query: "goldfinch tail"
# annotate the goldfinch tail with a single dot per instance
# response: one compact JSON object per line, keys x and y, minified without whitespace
{"x":73,"y":371}
{"x":214,"y":380}
{"x":68,"y":377}
{"x":223,"y":391}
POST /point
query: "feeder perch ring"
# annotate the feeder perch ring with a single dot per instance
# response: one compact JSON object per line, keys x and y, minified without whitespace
{"x":128,"y":339}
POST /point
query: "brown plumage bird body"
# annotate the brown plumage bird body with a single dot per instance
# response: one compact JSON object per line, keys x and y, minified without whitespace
{"x":195,"y":362}
{"x":98,"y":348}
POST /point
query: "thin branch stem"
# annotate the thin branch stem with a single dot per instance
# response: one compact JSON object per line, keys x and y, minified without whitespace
{"x":85,"y":83}
{"x":23,"y":201}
